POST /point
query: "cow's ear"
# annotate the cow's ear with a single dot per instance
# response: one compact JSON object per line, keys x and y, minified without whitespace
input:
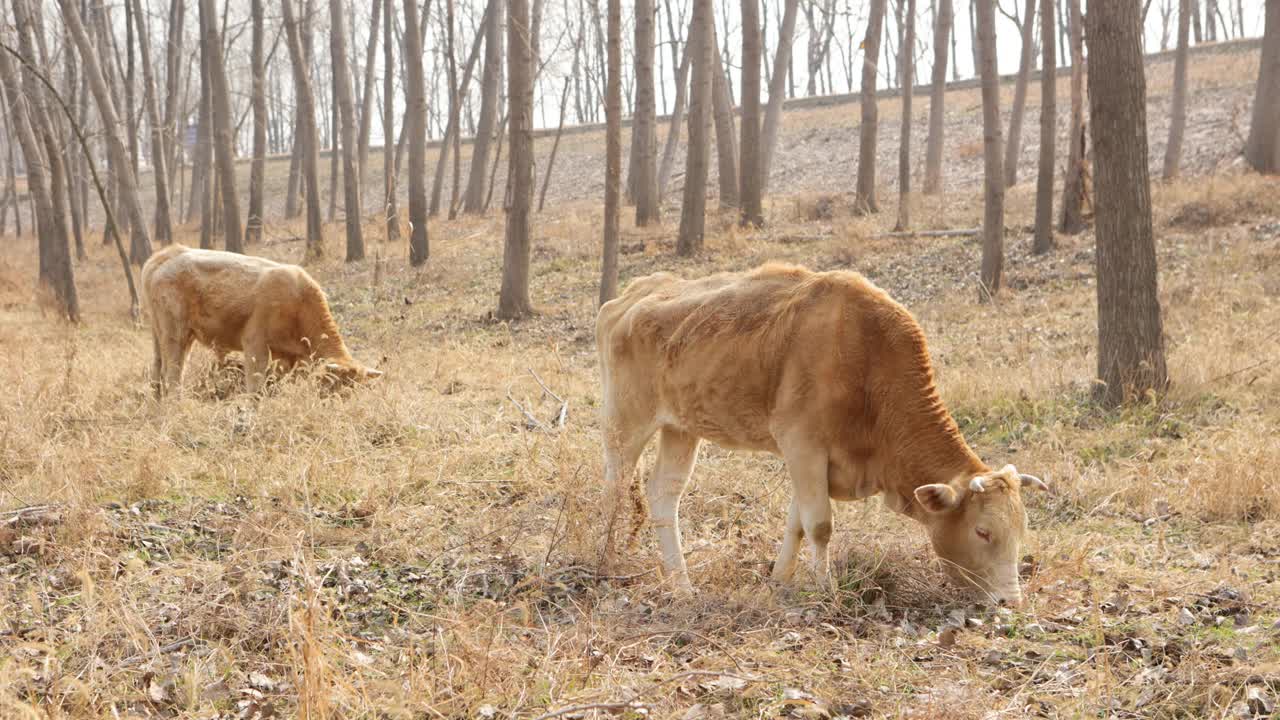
{"x":938,"y":497}
{"x":371,"y":373}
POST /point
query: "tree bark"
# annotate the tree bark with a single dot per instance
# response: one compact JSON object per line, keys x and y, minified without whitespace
{"x":726,"y":135}
{"x":778,"y":89}
{"x":750,"y":182}
{"x":366,"y":101}
{"x":907,"y":74}
{"x":390,"y":211}
{"x":942,"y":29}
{"x":644,"y":127}
{"x":693,"y":209}
{"x":490,"y":82}
{"x":174,"y":123}
{"x":347,"y":116}
{"x":1131,"y":361}
{"x":1013,"y":150}
{"x":612,"y":154}
{"x":110,"y":123}
{"x":223,"y":147}
{"x":253,"y":223}
{"x":1178,"y":109}
{"x":993,"y":169}
{"x":1262,"y":149}
{"x":865,"y":201}
{"x":1043,"y":242}
{"x":1073,"y":189}
{"x":455,"y":104}
{"x":416,"y":129}
{"x":513,"y":299}
{"x":305,"y":136}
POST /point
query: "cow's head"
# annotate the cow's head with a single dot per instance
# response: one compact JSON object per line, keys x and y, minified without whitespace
{"x":347,"y":374}
{"x":977,"y":525}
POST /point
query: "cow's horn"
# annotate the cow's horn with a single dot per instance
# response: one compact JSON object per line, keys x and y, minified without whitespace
{"x":1033,"y":481}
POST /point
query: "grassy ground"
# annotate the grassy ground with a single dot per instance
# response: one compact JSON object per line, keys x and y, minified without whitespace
{"x":419,"y":548}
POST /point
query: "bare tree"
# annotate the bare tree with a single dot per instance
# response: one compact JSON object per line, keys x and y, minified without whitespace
{"x":305,"y":134}
{"x":677,"y":117}
{"x":257,"y":170}
{"x":1073,"y":188}
{"x":1262,"y":149}
{"x":726,"y":135}
{"x":223,"y":130}
{"x":866,"y":190}
{"x":389,"y":209}
{"x":513,"y":299}
{"x":126,"y":180}
{"x":1131,"y":360}
{"x":490,"y":82}
{"x":694,"y":207}
{"x":366,"y":99}
{"x":346,"y":110}
{"x":1043,"y":242}
{"x":612,"y":155}
{"x":451,"y":129}
{"x":942,"y":29}
{"x":778,"y":88}
{"x":907,"y":62}
{"x":1013,"y":150}
{"x":1178,"y":112}
{"x":750,"y":182}
{"x":644,"y":128}
{"x":993,"y":169}
{"x":416,"y":128}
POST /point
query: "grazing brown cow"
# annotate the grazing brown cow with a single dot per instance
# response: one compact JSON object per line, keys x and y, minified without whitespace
{"x":823,"y":369}
{"x":274,"y":313}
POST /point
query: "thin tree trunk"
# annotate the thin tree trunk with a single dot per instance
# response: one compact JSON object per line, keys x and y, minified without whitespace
{"x":416,"y":131}
{"x":1262,"y":149}
{"x":778,"y":89}
{"x":346,"y":109}
{"x":442,"y":162}
{"x":942,"y":29}
{"x":305,"y":136}
{"x":644,"y":127}
{"x":1048,"y":131}
{"x":334,"y":138}
{"x":513,"y":298}
{"x":391,"y":213}
{"x":613,"y":155}
{"x":73,"y":161}
{"x":865,"y":201}
{"x":1178,"y":111}
{"x":366,"y":101}
{"x":993,"y":168}
{"x":750,"y":181}
{"x":473,"y":202}
{"x":693,"y":210}
{"x":677,"y":118}
{"x":253,"y":223}
{"x":726,"y":136}
{"x":493,"y":167}
{"x":907,"y":72}
{"x":164,"y":229}
{"x":555,"y":146}
{"x":174,"y":124}
{"x":1012,"y":151}
{"x":1131,"y":360}
{"x":455,"y":105}
{"x":224,"y":147}
{"x":1073,"y":188}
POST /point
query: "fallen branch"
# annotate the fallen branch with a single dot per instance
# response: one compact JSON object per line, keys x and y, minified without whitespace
{"x":957,"y":232}
{"x":171,"y":647}
{"x":629,"y":705}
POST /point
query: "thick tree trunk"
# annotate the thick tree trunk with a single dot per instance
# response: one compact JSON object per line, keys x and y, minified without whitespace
{"x":1131,"y":361}
{"x":865,"y":201}
{"x":908,"y":74}
{"x":416,"y":131}
{"x":1262,"y":149}
{"x":257,"y":169}
{"x":366,"y":101}
{"x":1073,"y":188}
{"x":644,"y":127}
{"x":224,"y":146}
{"x":513,"y":299}
{"x":110,"y":122}
{"x":705,"y":63}
{"x":390,"y":211}
{"x":1048,"y":131}
{"x":726,"y":135}
{"x":942,"y":29}
{"x":677,"y":118}
{"x":490,"y":82}
{"x":993,"y":168}
{"x":1013,"y":150}
{"x":347,"y":112}
{"x":778,"y":89}
{"x":305,"y":136}
{"x":1178,"y":111}
{"x":174,"y":123}
{"x":613,"y":155}
{"x":750,"y":182}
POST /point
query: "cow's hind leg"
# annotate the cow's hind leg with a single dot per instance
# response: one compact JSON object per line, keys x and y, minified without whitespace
{"x":677,"y":452}
{"x":811,"y":505}
{"x":157,"y":364}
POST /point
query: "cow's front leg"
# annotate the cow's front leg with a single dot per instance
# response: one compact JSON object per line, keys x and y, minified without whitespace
{"x":677,"y":452}
{"x":812,"y":503}
{"x":785,"y":566}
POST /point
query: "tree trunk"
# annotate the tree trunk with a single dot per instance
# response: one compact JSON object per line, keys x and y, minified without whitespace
{"x":726,"y":136}
{"x":1262,"y":149}
{"x":993,"y":168}
{"x":491,"y":80}
{"x":942,"y":29}
{"x":442,"y":162}
{"x":1073,"y":188}
{"x":174,"y":123}
{"x":110,"y":124}
{"x":513,"y":299}
{"x":750,"y":182}
{"x":366,"y":101}
{"x":390,"y":211}
{"x":223,"y":147}
{"x":416,"y":129}
{"x":1013,"y":150}
{"x":455,"y":104}
{"x":907,"y":73}
{"x":164,"y":230}
{"x":253,"y":224}
{"x":335,"y":135}
{"x":693,"y":210}
{"x":677,"y":118}
{"x":1178,"y":111}
{"x":346,"y":110}
{"x":1131,"y":361}
{"x":612,"y":155}
{"x":305,"y":135}
{"x":866,"y":190}
{"x":1048,"y":131}
{"x":555,"y":146}
{"x":644,"y":127}
{"x":74,"y":160}
{"x":778,"y":89}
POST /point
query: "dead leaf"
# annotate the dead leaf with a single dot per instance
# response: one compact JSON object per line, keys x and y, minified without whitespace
{"x":947,"y":636}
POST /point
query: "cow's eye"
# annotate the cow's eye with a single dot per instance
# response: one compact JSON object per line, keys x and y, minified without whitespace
{"x":983,"y":533}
